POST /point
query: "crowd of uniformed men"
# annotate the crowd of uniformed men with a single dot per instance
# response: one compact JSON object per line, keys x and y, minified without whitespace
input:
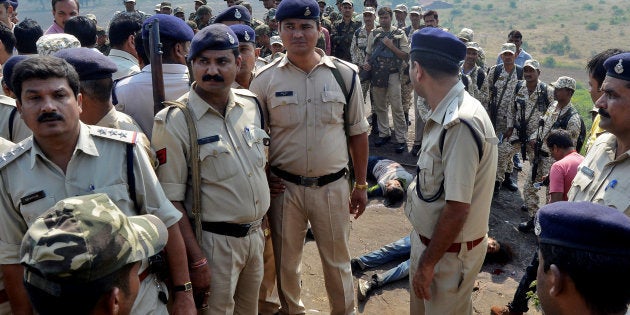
{"x":252,"y":148}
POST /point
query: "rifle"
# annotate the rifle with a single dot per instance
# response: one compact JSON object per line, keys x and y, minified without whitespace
{"x":155,"y":56}
{"x":537,"y":149}
{"x":493,"y":105}
{"x":522,"y":129}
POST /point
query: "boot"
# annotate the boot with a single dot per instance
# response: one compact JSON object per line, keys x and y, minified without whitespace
{"x":407,"y":119}
{"x":497,"y":188}
{"x":365,"y":287}
{"x":526,"y":226}
{"x":509,"y":184}
{"x":374,"y":124}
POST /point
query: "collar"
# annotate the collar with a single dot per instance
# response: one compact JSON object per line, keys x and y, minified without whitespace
{"x":199,"y":106}
{"x":446,"y":111}
{"x":323,"y":60}
{"x":172,"y":68}
{"x":122,"y":54}
{"x":85,"y":144}
{"x":109,"y":120}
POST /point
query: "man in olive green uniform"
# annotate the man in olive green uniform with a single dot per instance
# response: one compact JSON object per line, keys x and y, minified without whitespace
{"x":304,"y":106}
{"x":449,"y":202}
{"x":234,"y":194}
{"x":342,"y":32}
{"x":68,"y":158}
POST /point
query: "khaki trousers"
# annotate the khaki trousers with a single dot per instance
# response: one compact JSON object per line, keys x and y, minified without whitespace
{"x":236,"y":264}
{"x":391,"y":93}
{"x":453,"y":281}
{"x":326,"y":208}
{"x":268,"y":301}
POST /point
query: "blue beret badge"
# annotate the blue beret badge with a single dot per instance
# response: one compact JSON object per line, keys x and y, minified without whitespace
{"x":237,"y":14}
{"x":307,"y":12}
{"x":619,"y":66}
{"x":230,"y":38}
{"x":246,"y":36}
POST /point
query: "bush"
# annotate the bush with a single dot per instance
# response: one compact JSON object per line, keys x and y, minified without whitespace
{"x":476,"y":7}
{"x":592,"y":26}
{"x":490,"y":6}
{"x":558,"y":47}
{"x":549,"y":62}
{"x":587,"y":7}
{"x":513,"y":4}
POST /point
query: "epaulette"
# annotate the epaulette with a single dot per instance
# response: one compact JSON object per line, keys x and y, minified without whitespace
{"x":350,"y":65}
{"x":5,"y":100}
{"x":267,"y":66}
{"x":243,"y":92}
{"x":125,"y":136}
{"x":12,"y":153}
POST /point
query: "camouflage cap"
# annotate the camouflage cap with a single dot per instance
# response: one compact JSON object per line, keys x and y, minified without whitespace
{"x":508,"y":47}
{"x":466,"y":34}
{"x":262,"y":30}
{"x":202,"y":1}
{"x":564,"y":82}
{"x":275,"y":40}
{"x":83,"y":239}
{"x":178,"y":10}
{"x":52,"y":43}
{"x":532,"y":63}
{"x":416,"y":9}
{"x":473,"y":45}
{"x":401,"y":8}
{"x":369,"y":10}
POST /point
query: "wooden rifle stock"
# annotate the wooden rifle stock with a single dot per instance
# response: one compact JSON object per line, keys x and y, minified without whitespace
{"x":155,"y":56}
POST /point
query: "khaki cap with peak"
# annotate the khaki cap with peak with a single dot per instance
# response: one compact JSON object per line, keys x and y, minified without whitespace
{"x":532,"y":63}
{"x":416,"y":9}
{"x":564,"y":82}
{"x":401,"y":8}
{"x":508,"y":47}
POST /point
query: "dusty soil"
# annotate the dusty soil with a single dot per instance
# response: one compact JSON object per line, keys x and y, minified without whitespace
{"x":380,"y":225}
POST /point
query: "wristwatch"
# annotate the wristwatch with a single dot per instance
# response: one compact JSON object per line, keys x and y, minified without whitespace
{"x":186,"y":287}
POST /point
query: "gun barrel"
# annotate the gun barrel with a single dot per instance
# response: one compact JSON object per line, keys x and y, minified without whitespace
{"x":155,"y":55}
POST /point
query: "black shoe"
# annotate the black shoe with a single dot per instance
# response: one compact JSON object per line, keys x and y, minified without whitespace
{"x":374,"y":123}
{"x":381,"y":141}
{"x":309,"y":234}
{"x":401,"y":147}
{"x":415,"y":151}
{"x":508,"y":183}
{"x":497,"y":188}
{"x":526,"y":226}
{"x":355,"y":266}
{"x":518,"y":166}
{"x":407,"y":119}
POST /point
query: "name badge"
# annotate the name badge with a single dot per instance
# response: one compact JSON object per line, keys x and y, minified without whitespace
{"x":33,"y":197}
{"x":207,"y":140}
{"x":284,"y":93}
{"x":587,"y":171}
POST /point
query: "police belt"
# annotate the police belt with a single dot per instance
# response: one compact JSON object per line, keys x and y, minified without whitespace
{"x":231,"y":229}
{"x":3,"y":296}
{"x":309,"y":181}
{"x":455,"y":247}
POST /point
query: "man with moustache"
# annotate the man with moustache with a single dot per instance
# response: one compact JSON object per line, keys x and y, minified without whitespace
{"x":62,"y":11}
{"x":68,"y":158}
{"x":229,"y":147}
{"x":311,"y":145}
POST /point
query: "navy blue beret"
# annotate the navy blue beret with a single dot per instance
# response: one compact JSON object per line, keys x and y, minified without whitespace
{"x":171,"y":27}
{"x":618,"y":66}
{"x":297,"y":9}
{"x":7,"y":68}
{"x":584,"y":226}
{"x":435,"y":41}
{"x":215,"y":37}
{"x":234,"y":13}
{"x":89,"y":64}
{"x":244,"y":33}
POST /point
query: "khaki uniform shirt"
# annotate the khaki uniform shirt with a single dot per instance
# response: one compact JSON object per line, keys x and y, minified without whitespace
{"x":31,"y":183}
{"x":232,"y":152}
{"x":304,"y":112}
{"x":466,"y":178}
{"x":602,"y":178}
{"x":20,"y":130}
{"x":4,"y":144}
{"x":506,"y":105}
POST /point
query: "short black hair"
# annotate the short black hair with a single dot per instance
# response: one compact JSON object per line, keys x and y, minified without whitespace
{"x":27,"y":33}
{"x":394,"y":195}
{"x":385,"y":10}
{"x":122,"y":26}
{"x":560,"y":138}
{"x":503,"y":256}
{"x":602,"y":280}
{"x":80,"y":301}
{"x":8,"y":38}
{"x":142,"y":53}
{"x":595,"y":65}
{"x":430,"y":13}
{"x":436,"y":66}
{"x":100,"y":89}
{"x":83,"y":28}
{"x":43,"y":67}
{"x":515,"y":34}
{"x":53,"y":2}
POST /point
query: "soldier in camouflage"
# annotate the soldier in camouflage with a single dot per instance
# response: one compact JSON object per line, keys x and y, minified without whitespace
{"x":84,"y":250}
{"x":359,"y":44}
{"x":473,"y":76}
{"x":561,"y":109}
{"x":342,"y":32}
{"x":497,"y":96}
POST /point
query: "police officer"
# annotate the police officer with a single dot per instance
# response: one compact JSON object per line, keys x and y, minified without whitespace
{"x":234,"y":194}
{"x":247,"y":51}
{"x":342,"y":32}
{"x":86,"y":232}
{"x":5,"y":306}
{"x":304,"y":105}
{"x":236,"y":14}
{"x":449,"y":202}
{"x":134,"y":94}
{"x":602,"y":176}
{"x":12,"y":128}
{"x":68,"y":158}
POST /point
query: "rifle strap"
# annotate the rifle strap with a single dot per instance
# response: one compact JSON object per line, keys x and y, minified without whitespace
{"x":195,"y":165}
{"x":348,"y":95}
{"x":498,"y":102}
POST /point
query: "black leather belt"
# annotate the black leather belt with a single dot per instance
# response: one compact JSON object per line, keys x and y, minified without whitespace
{"x":230,"y":229}
{"x":309,"y":181}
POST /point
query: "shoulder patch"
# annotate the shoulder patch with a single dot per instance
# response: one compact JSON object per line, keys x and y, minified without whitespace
{"x":267,"y":66}
{"x":125,"y":136}
{"x":15,"y":151}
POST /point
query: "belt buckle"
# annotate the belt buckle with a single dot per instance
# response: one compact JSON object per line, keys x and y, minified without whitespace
{"x":309,"y":181}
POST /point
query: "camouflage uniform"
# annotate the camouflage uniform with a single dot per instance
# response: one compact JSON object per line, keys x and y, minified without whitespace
{"x":341,"y":36}
{"x":473,"y":86}
{"x":357,"y":52}
{"x":535,"y":107}
{"x":504,"y":107}
{"x":72,"y":244}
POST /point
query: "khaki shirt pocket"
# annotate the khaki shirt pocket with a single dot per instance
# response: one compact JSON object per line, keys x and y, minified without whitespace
{"x":284,"y":111}
{"x":256,"y":140}
{"x":217,"y":161}
{"x":429,"y":177}
{"x":331,"y":109}
{"x":34,"y":209}
{"x":617,"y":197}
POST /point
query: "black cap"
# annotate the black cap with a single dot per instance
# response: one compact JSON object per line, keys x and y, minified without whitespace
{"x":215,"y":37}
{"x":89,"y":64}
{"x":435,"y":41}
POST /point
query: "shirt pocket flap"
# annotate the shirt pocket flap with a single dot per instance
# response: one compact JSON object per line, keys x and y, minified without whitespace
{"x":333,"y":97}
{"x":283,"y":100}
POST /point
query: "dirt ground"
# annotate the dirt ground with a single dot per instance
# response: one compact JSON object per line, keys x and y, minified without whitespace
{"x":380,"y":225}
